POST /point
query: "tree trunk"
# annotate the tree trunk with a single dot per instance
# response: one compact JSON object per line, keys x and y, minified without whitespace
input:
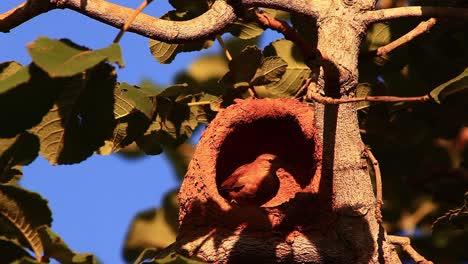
{"x":349,"y":231}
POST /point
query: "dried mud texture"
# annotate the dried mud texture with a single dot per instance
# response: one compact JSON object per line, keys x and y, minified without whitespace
{"x":289,"y":227}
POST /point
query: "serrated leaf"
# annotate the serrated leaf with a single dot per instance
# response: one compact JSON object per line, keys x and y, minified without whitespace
{"x":242,"y":68}
{"x":26,"y":94}
{"x":196,"y":7}
{"x":128,"y":129}
{"x":244,"y":65}
{"x":271,"y":69}
{"x":20,"y":150}
{"x":12,"y":74}
{"x":145,"y":225}
{"x":294,"y":76}
{"x":163,"y":52}
{"x":455,"y":85}
{"x":378,"y":35}
{"x":175,"y":119}
{"x":26,"y":211}
{"x":56,"y":248}
{"x":166,"y":52}
{"x":130,"y":99}
{"x":63,"y":58}
{"x":245,"y":30}
{"x":81,"y":119}
{"x":362,"y":90}
{"x":247,"y":27}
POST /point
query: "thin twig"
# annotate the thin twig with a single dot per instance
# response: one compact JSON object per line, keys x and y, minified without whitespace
{"x":199,"y":103}
{"x":405,"y":244}
{"x":414,"y":11}
{"x":130,"y":19}
{"x":288,"y":32}
{"x":329,"y":100}
{"x":422,"y":28}
{"x":378,"y":185}
{"x":409,"y":221}
{"x":223,"y":45}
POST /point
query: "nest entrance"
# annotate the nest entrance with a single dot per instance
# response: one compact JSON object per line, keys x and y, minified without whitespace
{"x":279,"y":134}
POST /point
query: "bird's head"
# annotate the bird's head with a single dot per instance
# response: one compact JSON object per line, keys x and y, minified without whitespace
{"x":272,"y":159}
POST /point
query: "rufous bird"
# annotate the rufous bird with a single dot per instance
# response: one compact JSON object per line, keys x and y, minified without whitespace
{"x":253,"y":183}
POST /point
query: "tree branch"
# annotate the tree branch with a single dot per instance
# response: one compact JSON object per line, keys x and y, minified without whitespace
{"x":378,"y":184}
{"x":405,"y":244}
{"x":329,"y":100}
{"x":210,"y":23}
{"x":288,"y":32}
{"x":414,"y":11}
{"x":422,"y":28}
{"x":22,"y":13}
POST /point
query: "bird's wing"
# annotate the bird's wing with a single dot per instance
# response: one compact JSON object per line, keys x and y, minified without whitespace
{"x":232,"y":182}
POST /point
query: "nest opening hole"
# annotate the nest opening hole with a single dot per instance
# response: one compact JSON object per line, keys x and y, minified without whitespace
{"x":279,"y":135}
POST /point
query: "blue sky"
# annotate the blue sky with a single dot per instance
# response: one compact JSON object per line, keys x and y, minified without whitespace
{"x":93,"y":202}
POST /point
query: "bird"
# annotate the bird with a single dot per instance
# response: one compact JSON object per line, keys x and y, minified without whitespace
{"x":253,"y":183}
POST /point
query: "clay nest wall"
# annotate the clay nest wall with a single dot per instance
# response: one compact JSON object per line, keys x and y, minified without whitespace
{"x":284,"y":127}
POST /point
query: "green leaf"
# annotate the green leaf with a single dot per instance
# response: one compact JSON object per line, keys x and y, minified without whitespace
{"x":166,"y":52}
{"x":26,"y":211}
{"x":56,"y":248}
{"x":62,"y":58}
{"x":130,"y":99}
{"x":26,"y":94}
{"x":378,"y":35}
{"x":81,"y":119}
{"x":247,"y":27}
{"x":175,"y":119}
{"x":12,"y":74}
{"x":362,"y":90}
{"x":294,"y":76}
{"x":196,"y":7}
{"x":455,"y":85}
{"x":20,"y":150}
{"x":207,"y":68}
{"x":271,"y":69}
{"x":128,"y":129}
{"x":145,"y":225}
{"x":134,"y":109}
{"x":175,"y":258}
{"x":244,"y":66}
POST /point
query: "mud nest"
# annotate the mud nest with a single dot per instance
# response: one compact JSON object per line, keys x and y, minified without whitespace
{"x":240,"y":133}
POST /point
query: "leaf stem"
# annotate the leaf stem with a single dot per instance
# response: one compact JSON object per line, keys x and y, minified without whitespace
{"x":223,"y":45}
{"x":199,"y":103}
{"x":130,"y":19}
